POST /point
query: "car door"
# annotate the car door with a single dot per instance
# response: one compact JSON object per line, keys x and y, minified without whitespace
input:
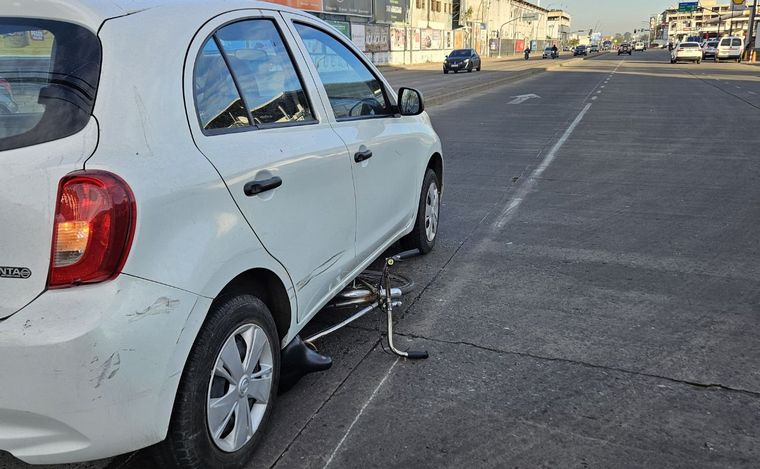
{"x":386,"y":149}
{"x":259,"y":121}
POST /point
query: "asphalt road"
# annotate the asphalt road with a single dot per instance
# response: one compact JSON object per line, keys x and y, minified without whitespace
{"x":594,"y":299}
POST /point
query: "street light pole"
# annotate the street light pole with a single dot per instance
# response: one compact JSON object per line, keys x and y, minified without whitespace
{"x":751,"y":31}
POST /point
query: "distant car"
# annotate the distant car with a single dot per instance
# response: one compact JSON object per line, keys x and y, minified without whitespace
{"x":580,"y":50}
{"x":709,"y":49}
{"x":549,"y":53}
{"x":730,"y":48}
{"x":594,"y":48}
{"x":686,"y":52}
{"x":640,"y":47}
{"x":625,"y":49}
{"x":461,"y":59}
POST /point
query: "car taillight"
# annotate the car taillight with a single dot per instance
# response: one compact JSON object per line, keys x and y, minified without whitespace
{"x":94,"y":224}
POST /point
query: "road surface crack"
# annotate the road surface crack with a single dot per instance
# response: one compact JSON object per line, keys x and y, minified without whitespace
{"x":695,"y":384}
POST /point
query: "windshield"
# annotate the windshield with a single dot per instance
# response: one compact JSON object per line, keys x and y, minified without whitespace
{"x":48,"y":77}
{"x":460,"y":53}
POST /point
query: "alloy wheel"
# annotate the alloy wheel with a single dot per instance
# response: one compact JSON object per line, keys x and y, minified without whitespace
{"x":432,"y":209}
{"x":239,"y":388}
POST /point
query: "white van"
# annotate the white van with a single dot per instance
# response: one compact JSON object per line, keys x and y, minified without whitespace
{"x":730,"y":48}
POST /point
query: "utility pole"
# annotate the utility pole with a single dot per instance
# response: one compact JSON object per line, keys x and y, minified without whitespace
{"x":751,"y":32}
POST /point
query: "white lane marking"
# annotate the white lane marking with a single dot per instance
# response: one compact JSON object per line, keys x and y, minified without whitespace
{"x":594,"y":98}
{"x":509,"y":211}
{"x":602,"y":87}
{"x":599,"y":92}
{"x":523,"y":97}
{"x":356,"y":419}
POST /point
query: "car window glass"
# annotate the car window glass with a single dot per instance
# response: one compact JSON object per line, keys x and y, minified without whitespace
{"x":725,"y":42}
{"x":49,"y":73}
{"x":265,"y":72}
{"x":736,"y":42}
{"x":352,"y":89}
{"x":217,"y":100}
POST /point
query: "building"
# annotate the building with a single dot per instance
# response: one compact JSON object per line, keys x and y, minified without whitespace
{"x":558,"y":27}
{"x":712,"y":20}
{"x":418,"y":31}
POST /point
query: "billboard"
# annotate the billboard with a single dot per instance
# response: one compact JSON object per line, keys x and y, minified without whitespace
{"x":358,"y":35}
{"x":376,"y":38}
{"x":398,"y":38}
{"x":348,"y":7}
{"x":308,"y":5}
{"x":391,"y":11}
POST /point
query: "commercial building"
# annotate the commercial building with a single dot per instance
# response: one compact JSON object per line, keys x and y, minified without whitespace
{"x":558,"y":27}
{"x":713,"y":19}
{"x":418,"y":31}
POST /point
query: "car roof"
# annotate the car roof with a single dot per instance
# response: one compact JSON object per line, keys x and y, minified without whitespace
{"x":92,"y":13}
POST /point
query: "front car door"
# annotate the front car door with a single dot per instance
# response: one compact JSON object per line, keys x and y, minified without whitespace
{"x":388,"y":152}
{"x":263,"y":126}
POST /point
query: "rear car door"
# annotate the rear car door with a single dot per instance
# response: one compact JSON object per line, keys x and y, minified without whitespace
{"x":49,"y":72}
{"x":386,"y":149}
{"x":262,"y":125}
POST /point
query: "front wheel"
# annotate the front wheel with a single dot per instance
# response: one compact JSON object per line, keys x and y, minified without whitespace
{"x":445,"y":72}
{"x":425,"y":229}
{"x":228,"y":388}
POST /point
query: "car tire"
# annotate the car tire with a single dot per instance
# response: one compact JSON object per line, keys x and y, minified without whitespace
{"x":716,"y":60}
{"x":190,"y":442}
{"x":426,"y":227}
{"x":456,"y":71}
{"x":477,"y":69}
{"x":445,"y":72}
{"x":469,"y":69}
{"x":699,"y":61}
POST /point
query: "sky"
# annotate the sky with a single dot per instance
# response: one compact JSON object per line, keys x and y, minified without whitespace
{"x":613,"y":16}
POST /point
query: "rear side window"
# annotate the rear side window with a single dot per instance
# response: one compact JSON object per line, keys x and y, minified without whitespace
{"x":245,"y":77}
{"x":49,"y":73}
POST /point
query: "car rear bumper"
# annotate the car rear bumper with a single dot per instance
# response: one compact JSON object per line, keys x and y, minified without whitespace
{"x":91,"y":372}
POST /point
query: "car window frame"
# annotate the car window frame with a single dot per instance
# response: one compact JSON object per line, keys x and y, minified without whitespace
{"x":295,"y":19}
{"x":252,"y":126}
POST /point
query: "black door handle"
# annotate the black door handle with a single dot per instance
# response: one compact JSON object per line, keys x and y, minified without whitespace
{"x":257,"y":187}
{"x":362,"y":155}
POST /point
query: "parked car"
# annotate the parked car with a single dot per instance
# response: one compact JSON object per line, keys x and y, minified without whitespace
{"x":461,"y":60}
{"x":639,"y":47}
{"x":580,"y":50}
{"x":686,"y":52}
{"x":594,"y":48}
{"x":730,"y":48}
{"x":624,"y":49}
{"x":709,"y":49}
{"x":199,"y":217}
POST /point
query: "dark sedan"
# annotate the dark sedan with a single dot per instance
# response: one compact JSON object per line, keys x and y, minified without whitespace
{"x":461,"y":59}
{"x":580,"y":50}
{"x":625,"y":49}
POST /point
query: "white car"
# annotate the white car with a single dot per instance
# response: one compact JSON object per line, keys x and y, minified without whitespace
{"x":709,"y":49}
{"x":730,"y":48}
{"x":686,"y":52}
{"x":210,"y":174}
{"x":639,"y":47}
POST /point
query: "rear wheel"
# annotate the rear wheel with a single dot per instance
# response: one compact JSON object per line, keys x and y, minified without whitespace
{"x":699,"y":61}
{"x":227,"y":390}
{"x":445,"y":72}
{"x":425,"y":230}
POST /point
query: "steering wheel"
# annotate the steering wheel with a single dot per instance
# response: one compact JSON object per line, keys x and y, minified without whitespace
{"x":371,"y":102}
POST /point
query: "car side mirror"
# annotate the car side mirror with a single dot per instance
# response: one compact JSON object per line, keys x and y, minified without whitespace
{"x":410,"y":102}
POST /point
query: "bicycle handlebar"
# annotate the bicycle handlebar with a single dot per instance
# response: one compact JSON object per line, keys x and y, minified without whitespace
{"x":406,"y":255}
